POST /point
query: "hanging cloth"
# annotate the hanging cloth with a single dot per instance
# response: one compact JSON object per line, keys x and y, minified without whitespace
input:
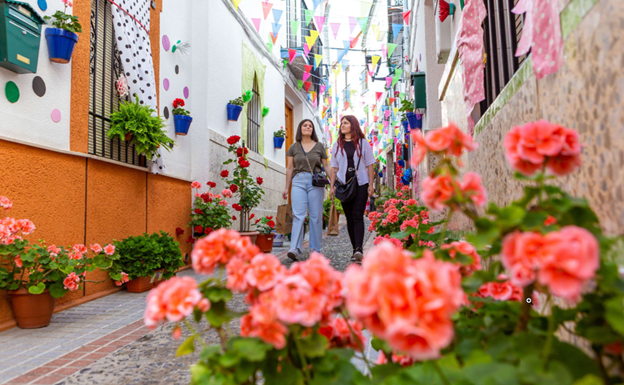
{"x":131,"y":19}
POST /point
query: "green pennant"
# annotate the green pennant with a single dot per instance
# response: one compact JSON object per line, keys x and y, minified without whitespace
{"x":402,"y":95}
{"x":397,"y":76}
{"x":308,"y":16}
{"x":363,"y":21}
{"x":285,"y":63}
{"x":391,"y":48}
{"x":294,"y":27}
{"x":366,"y":109}
{"x":300,"y":84}
{"x":270,"y":45}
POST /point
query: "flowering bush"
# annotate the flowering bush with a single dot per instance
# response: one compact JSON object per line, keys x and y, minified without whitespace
{"x":38,"y":267}
{"x":210,"y":211}
{"x":242,"y":184}
{"x":265,"y":225}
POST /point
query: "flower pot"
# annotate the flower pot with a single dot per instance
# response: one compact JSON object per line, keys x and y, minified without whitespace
{"x":32,"y":311}
{"x":265,"y":242}
{"x":61,"y":44}
{"x":141,"y":284}
{"x":157,"y":283}
{"x":278,"y":241}
{"x":405,"y":125}
{"x":253,"y":235}
{"x":182,"y":124}
{"x":233,"y":112}
{"x":278,"y":142}
{"x":415,"y":121}
{"x":128,"y":136}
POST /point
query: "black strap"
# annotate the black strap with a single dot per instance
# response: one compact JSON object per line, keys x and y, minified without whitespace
{"x":306,"y":155}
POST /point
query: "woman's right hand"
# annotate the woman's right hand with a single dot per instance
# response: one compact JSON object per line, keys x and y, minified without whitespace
{"x":332,"y":191}
{"x":285,"y":194}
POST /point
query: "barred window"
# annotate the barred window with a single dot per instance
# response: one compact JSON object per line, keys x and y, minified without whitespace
{"x":105,"y":68}
{"x":254,"y":116}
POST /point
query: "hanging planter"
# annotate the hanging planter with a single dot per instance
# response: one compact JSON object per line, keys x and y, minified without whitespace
{"x":405,"y":126}
{"x":278,"y":142}
{"x":233,"y":112}
{"x":414,"y":120}
{"x":61,"y":44}
{"x":181,"y":118}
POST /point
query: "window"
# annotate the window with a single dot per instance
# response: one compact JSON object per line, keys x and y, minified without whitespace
{"x":502,"y":31}
{"x":105,"y":68}
{"x":254,"y":116}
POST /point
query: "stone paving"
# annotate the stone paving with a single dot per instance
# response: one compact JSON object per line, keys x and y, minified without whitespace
{"x":104,"y":341}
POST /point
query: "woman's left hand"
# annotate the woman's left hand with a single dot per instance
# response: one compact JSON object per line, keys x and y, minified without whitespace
{"x":371,"y":191}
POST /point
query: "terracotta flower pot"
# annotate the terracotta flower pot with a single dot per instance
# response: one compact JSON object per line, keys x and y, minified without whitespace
{"x":139,"y":285}
{"x":128,"y":136}
{"x":253,"y":235}
{"x":265,"y":242}
{"x":32,"y":311}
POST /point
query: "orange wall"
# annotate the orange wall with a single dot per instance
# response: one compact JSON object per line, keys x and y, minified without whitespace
{"x":72,"y":199}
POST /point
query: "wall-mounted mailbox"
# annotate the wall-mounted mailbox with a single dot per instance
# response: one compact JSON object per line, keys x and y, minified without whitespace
{"x":20,"y":36}
{"x":420,"y":90}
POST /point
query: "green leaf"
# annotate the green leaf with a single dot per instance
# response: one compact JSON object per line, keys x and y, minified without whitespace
{"x":380,"y":345}
{"x":589,"y":379}
{"x":187,"y":347}
{"x":614,"y":313}
{"x":314,"y":345}
{"x":38,"y":289}
{"x":209,"y":352}
{"x":57,"y":290}
{"x":216,"y":294}
{"x":252,"y":349}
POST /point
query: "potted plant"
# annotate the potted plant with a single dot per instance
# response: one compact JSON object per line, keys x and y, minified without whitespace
{"x":235,"y":106}
{"x":265,"y":226}
{"x":407,"y":108}
{"x":210,"y":211}
{"x":63,"y":38}
{"x":181,"y":118}
{"x":278,"y":137}
{"x":35,"y":275}
{"x":243,"y":185}
{"x":138,"y":123}
{"x":148,"y":259}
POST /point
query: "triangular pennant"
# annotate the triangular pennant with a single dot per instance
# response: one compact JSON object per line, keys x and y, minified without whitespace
{"x":307,"y":86}
{"x":363,"y":21}
{"x":294,"y":27}
{"x":292,"y":53}
{"x":354,"y":41}
{"x":276,"y":28}
{"x":306,"y":49}
{"x":285,"y":63}
{"x":322,"y":89}
{"x":317,"y":60}
{"x":365,"y":7}
{"x":270,"y":47}
{"x":397,"y":76}
{"x":273,"y":37}
{"x":346,"y":105}
{"x":308,"y":16}
{"x":256,"y":22}
{"x":316,"y":3}
{"x":335,"y":28}
{"x":266,"y":8}
{"x":320,"y":22}
{"x":306,"y":75}
{"x":308,"y":68}
{"x":236,"y":3}
{"x":391,"y":48}
{"x":375,"y":60}
{"x":387,"y":114}
{"x":391,"y":100}
{"x":384,"y":50}
{"x":300,"y":84}
{"x":352,"y":23}
{"x":406,"y":16}
{"x":396,"y":29}
{"x":378,"y":94}
{"x":388,"y":81}
{"x":345,"y":63}
{"x":312,"y":38}
{"x":277,"y":14}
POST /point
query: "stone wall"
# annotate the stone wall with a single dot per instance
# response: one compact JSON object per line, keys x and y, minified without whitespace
{"x":585,"y":95}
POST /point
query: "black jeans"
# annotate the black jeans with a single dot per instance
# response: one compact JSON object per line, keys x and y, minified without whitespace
{"x":354,"y":211}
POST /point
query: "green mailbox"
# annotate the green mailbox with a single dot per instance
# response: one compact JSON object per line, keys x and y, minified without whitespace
{"x":420,"y":90}
{"x":20,"y":35}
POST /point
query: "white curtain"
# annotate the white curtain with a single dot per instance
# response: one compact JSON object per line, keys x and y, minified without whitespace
{"x":131,"y":19}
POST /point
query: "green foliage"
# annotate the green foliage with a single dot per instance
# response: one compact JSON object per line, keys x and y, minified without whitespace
{"x":280,"y":133}
{"x":327,"y":208}
{"x":211,"y":215}
{"x":241,"y":100}
{"x":62,"y":20}
{"x":265,"y":225}
{"x":144,"y":124}
{"x":141,"y":256}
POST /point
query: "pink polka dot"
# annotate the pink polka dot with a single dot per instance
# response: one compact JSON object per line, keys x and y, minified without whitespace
{"x":186,"y":92}
{"x":165,"y":42}
{"x":166,"y":84}
{"x":56,"y":115}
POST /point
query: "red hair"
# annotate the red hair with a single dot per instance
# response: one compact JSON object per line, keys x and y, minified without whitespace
{"x":356,"y":134}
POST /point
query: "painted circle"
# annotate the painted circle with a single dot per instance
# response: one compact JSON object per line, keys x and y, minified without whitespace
{"x":56,"y":115}
{"x":165,"y":42}
{"x":166,"y":112}
{"x":42,"y":4}
{"x":166,"y":84}
{"x":186,"y":92}
{"x":177,"y":69}
{"x":39,"y":86}
{"x":12,"y":92}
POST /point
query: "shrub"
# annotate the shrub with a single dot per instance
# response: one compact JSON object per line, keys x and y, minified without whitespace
{"x":141,"y":256}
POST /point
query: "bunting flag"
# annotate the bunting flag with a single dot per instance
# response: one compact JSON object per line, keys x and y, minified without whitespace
{"x":384,"y":50}
{"x":388,"y":81}
{"x":292,"y":53}
{"x":266,"y":8}
{"x":406,"y":16}
{"x":352,"y":23}
{"x":322,"y":89}
{"x":308,"y":16}
{"x":346,"y":106}
{"x":375,"y":59}
{"x":256,"y":22}
{"x":391,"y":100}
{"x":285,"y":63}
{"x":335,"y":28}
{"x":273,"y":37}
{"x":378,"y":95}
{"x":363,"y":21}
{"x":236,"y":3}
{"x":276,"y":28}
{"x":385,"y":124}
{"x":307,"y":86}
{"x":306,"y":75}
{"x":365,"y":7}
{"x":270,"y":46}
{"x":376,"y":31}
{"x":387,"y":115}
{"x":376,"y":119}
{"x":294,"y":27}
{"x":396,"y":29}
{"x":317,"y":3}
{"x":397,"y":76}
{"x":391,"y":48}
{"x":345,"y":63}
{"x":308,"y":68}
{"x":354,"y":41}
{"x":306,"y":49}
{"x":317,"y":60}
{"x":300,"y":83}
{"x":277,"y":14}
{"x":320,"y":22}
{"x":312,"y":38}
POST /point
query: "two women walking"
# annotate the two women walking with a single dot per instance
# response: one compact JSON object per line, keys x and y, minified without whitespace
{"x":352,"y":160}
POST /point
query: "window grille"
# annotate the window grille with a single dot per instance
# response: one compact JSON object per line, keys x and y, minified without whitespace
{"x":105,"y":68}
{"x":254,"y":116}
{"x":502,"y":31}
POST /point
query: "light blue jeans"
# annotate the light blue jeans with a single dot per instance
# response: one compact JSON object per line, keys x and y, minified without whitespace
{"x":306,"y":199}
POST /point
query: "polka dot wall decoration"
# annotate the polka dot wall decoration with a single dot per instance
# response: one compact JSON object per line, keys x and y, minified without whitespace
{"x":43,"y":5}
{"x":56,"y":115}
{"x":166,"y":112}
{"x":12,"y":92}
{"x":166,"y":84}
{"x":165,"y":42}
{"x":177,"y":69}
{"x":186,"y":92}
{"x":38,"y":85}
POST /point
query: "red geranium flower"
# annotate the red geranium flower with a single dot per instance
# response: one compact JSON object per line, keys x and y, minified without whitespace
{"x":233,"y":139}
{"x":207,"y":230}
{"x":258,"y":220}
{"x":211,"y":184}
{"x":225,"y":173}
{"x":269,"y":218}
{"x":233,"y":188}
{"x":259,"y":180}
{"x":190,"y":239}
{"x":199,"y":229}
{"x":178,"y":103}
{"x":198,"y":211}
{"x":252,"y":215}
{"x":237,"y":207}
{"x":179,"y":231}
{"x":271,"y":224}
{"x":233,"y":217}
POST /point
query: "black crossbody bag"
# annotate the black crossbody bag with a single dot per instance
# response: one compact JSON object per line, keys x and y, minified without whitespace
{"x":345,"y":192}
{"x":319,"y":179}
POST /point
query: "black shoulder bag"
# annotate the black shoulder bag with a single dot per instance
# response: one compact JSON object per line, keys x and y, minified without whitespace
{"x":319,"y":179}
{"x":345,"y":192}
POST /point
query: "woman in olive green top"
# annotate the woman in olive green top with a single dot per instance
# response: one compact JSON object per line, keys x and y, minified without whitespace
{"x":304,"y":157}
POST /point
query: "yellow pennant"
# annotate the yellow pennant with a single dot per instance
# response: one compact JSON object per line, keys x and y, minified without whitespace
{"x":396,"y":111}
{"x":310,"y":39}
{"x":236,"y":3}
{"x":375,"y":61}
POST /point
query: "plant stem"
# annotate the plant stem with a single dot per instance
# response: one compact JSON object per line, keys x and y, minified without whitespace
{"x":443,"y":232}
{"x":603,"y":371}
{"x":445,"y":380}
{"x":222,"y":337}
{"x":549,"y":338}
{"x":197,"y":335}
{"x":304,"y":363}
{"x":359,"y":342}
{"x":525,"y":310}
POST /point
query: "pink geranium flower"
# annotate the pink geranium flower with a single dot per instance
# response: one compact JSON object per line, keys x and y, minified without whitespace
{"x":71,"y":282}
{"x":196,"y":184}
{"x":437,"y":191}
{"x":5,"y":203}
{"x":265,"y":270}
{"x":26,"y":226}
{"x":96,"y":248}
{"x":472,"y":189}
{"x":18,"y":261}
{"x":79,"y":248}
{"x":109,"y":249}
{"x":227,"y":193}
{"x":236,"y":270}
{"x":173,"y":300}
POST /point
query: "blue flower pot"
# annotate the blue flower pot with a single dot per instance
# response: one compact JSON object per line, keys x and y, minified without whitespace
{"x":405,"y":125}
{"x":413,"y":120}
{"x":61,"y":44}
{"x":182,"y":124}
{"x":234,"y":112}
{"x":278,"y":142}
{"x":401,"y":162}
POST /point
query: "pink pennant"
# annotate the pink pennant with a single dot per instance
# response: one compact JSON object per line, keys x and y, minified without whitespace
{"x":322,"y":89}
{"x":354,"y":41}
{"x":396,"y":140}
{"x":352,"y":23}
{"x":384,"y":50}
{"x":306,"y":75}
{"x":306,"y":49}
{"x":387,"y":115}
{"x":266,"y":7}
{"x":406,"y":16}
{"x":292,"y":53}
{"x":256,"y":21}
{"x":385,"y":124}
{"x":388,"y":81}
{"x":320,"y":22}
{"x":335,"y":28}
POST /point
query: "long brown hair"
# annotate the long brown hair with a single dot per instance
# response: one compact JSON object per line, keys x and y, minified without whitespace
{"x":356,"y":134}
{"x":299,"y":135}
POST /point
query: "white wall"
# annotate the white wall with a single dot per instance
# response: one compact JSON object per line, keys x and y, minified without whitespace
{"x":29,"y":119}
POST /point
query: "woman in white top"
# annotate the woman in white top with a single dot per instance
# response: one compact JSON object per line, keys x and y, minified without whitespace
{"x":352,"y":156}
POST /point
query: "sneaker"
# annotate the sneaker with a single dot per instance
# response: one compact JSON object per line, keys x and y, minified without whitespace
{"x":358,"y":256}
{"x":293,"y":254}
